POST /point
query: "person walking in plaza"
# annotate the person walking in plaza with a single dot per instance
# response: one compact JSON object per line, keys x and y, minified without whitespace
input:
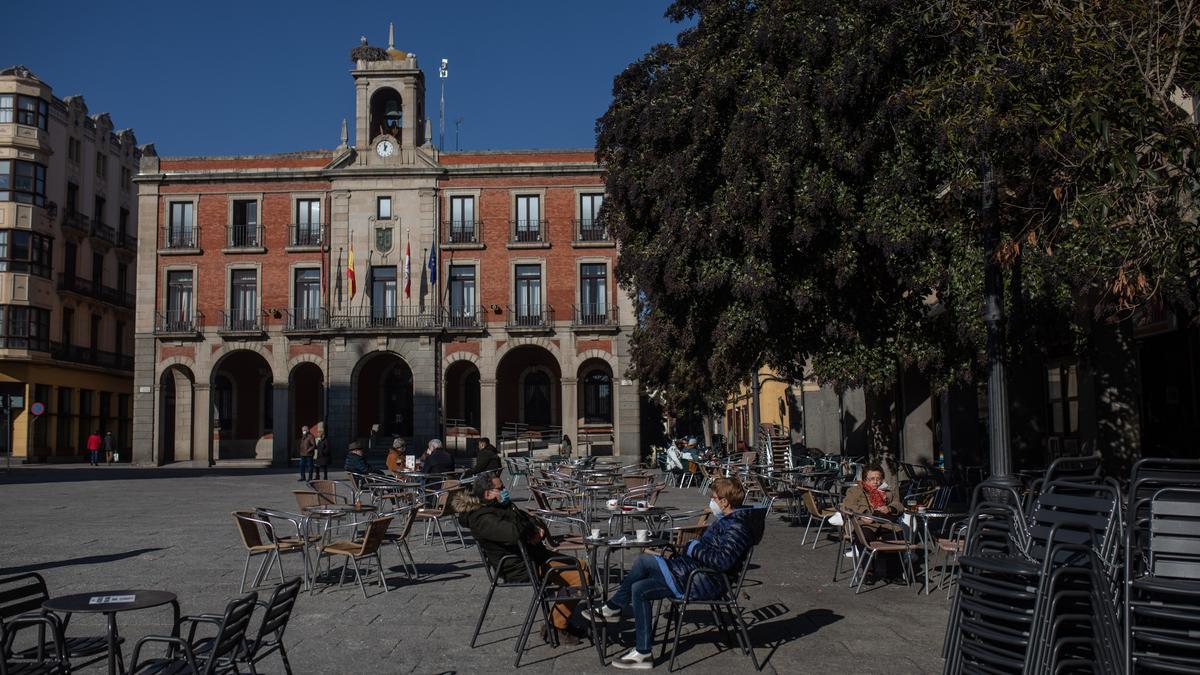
{"x":93,"y":445}
{"x":321,"y":454}
{"x":723,"y":547}
{"x":307,"y":445}
{"x":488,"y":459}
{"x":109,"y":444}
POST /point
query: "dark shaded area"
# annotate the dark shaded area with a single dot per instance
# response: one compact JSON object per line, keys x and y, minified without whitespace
{"x":30,"y":475}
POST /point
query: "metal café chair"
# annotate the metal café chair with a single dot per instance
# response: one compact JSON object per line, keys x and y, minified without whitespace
{"x":218,"y":654}
{"x":259,"y":538}
{"x":360,"y":549}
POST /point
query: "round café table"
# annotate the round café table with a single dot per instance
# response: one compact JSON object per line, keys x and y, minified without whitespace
{"x":109,"y":603}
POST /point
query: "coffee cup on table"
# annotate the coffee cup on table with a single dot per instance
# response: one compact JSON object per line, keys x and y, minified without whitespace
{"x":642,"y":506}
{"x":642,"y":535}
{"x":612,"y":503}
{"x":595,"y":533}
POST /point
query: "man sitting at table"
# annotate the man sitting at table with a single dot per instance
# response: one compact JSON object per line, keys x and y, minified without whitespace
{"x":499,"y":527}
{"x":356,"y":460}
{"x":488,"y":460}
{"x":723,"y":547}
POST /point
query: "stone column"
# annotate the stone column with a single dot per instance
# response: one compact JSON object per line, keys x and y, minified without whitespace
{"x":281,"y":431}
{"x":570,"y":411}
{"x":202,"y":423}
{"x":487,"y":410}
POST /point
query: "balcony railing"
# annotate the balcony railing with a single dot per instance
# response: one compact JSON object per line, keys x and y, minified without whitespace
{"x":305,"y":234}
{"x":530,"y":316}
{"x":89,"y":356}
{"x":461,"y":231}
{"x":386,"y":318}
{"x":241,"y":321}
{"x":464,"y":318}
{"x":77,"y":221}
{"x":102,"y":231}
{"x":175,"y":236}
{"x":243,"y":236}
{"x":529,"y":231}
{"x":301,"y":319}
{"x":589,"y":229}
{"x":26,"y":266}
{"x":178,"y":322}
{"x":597,"y":315}
{"x":126,"y":241}
{"x":95,"y":290}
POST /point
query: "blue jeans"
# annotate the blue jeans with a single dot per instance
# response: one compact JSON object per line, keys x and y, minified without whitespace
{"x":643,"y":584}
{"x":95,"y":456}
{"x":306,"y":468}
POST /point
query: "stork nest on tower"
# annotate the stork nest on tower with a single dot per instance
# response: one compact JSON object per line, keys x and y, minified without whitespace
{"x":366,"y":52}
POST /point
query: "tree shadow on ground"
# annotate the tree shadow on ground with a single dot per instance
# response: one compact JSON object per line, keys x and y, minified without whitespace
{"x":84,"y":560}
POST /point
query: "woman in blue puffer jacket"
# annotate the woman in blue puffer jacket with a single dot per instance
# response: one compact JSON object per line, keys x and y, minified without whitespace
{"x":723,"y":547}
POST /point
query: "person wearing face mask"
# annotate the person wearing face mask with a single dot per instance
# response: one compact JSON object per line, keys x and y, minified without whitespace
{"x":499,"y":527}
{"x":723,"y":547}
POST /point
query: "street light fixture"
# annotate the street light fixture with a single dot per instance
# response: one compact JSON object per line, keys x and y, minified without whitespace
{"x":443,"y":73}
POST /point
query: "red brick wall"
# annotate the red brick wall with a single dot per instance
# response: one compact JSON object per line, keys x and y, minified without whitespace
{"x":212,"y":217}
{"x":469,"y":347}
{"x":496,"y":208}
{"x":508,"y":158}
{"x":212,"y":164}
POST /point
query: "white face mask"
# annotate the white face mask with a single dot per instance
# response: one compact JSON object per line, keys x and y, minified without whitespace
{"x":715,"y":508}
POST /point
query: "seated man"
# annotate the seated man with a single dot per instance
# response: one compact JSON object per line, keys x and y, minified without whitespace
{"x":356,"y":460}
{"x":723,"y":547}
{"x":436,"y":459}
{"x":498,"y":525}
{"x":488,"y":460}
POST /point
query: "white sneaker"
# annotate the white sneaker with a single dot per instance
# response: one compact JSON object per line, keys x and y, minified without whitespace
{"x":603,"y":613}
{"x":634,"y":660}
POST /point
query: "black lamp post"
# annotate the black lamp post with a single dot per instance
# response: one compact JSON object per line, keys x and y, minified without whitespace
{"x":999,"y":448}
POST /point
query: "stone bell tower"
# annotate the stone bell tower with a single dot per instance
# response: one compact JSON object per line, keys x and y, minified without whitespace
{"x":389,"y":104}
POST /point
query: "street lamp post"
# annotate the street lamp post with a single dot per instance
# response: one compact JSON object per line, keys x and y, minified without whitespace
{"x":443,"y":73}
{"x":999,"y":448}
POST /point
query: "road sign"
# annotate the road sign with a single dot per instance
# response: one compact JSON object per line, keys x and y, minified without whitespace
{"x":37,"y":408}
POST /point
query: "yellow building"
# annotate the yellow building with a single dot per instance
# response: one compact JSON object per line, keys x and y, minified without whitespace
{"x":776,"y":408}
{"x":67,"y":251}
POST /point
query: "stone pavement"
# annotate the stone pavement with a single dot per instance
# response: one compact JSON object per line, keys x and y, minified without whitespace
{"x":108,"y":528}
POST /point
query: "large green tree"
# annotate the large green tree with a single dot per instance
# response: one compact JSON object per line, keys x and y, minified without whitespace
{"x":799,"y":182}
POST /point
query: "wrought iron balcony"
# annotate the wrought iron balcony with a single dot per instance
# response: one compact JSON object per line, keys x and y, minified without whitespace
{"x":247,"y":235}
{"x":180,"y":322}
{"x":126,"y":241}
{"x":241,"y":321}
{"x":529,"y":231}
{"x":597,"y":315}
{"x":529,"y":317}
{"x":589,"y":229}
{"x":92,"y":289}
{"x":179,"y":237}
{"x":461,"y":231}
{"x":89,"y":356}
{"x":103,"y":232}
{"x":75,"y":220}
{"x":305,"y":319}
{"x":464,"y":318}
{"x":305,"y":234}
{"x":386,"y":318}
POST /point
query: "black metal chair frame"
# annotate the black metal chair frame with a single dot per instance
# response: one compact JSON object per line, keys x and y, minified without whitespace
{"x":16,"y":605}
{"x":220,"y":654}
{"x":35,"y":661}
{"x":724,"y":604}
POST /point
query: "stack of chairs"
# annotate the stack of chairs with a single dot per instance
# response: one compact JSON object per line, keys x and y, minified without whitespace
{"x":1162,"y":567}
{"x":1039,"y":594}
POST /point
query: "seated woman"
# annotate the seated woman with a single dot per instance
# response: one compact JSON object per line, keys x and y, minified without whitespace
{"x":723,"y":547}
{"x":873,"y":497}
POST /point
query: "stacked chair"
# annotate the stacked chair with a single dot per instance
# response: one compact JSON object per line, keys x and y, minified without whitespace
{"x":1162,"y":567}
{"x":1040,"y":594}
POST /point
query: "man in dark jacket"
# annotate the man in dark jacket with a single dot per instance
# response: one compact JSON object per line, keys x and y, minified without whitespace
{"x":436,"y":459}
{"x":356,"y":460}
{"x":723,"y":547}
{"x":488,"y":460}
{"x":499,"y":527}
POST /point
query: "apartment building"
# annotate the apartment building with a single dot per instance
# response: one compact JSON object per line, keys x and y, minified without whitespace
{"x":67,"y":249}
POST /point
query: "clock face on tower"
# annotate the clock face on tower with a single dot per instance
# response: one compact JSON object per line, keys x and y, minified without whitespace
{"x":385,"y":148}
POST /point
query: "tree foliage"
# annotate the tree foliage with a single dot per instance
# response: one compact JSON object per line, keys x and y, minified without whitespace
{"x":797,"y":182}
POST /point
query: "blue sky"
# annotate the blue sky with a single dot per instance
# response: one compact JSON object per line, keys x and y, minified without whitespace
{"x":248,"y":77}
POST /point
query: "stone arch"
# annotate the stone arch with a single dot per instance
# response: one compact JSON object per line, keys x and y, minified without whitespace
{"x":516,"y":343}
{"x":242,"y":393}
{"x":454,"y":357}
{"x":176,"y":393}
{"x":168,"y":362}
{"x":319,"y":361}
{"x":589,"y":354}
{"x":384,"y":396}
{"x":226,"y":350}
{"x":519,"y":403}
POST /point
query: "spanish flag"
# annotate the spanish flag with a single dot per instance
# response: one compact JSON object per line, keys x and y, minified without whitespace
{"x":350,"y":271}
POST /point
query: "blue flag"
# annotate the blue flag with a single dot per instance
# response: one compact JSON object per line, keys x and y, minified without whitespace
{"x":433,"y":265}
